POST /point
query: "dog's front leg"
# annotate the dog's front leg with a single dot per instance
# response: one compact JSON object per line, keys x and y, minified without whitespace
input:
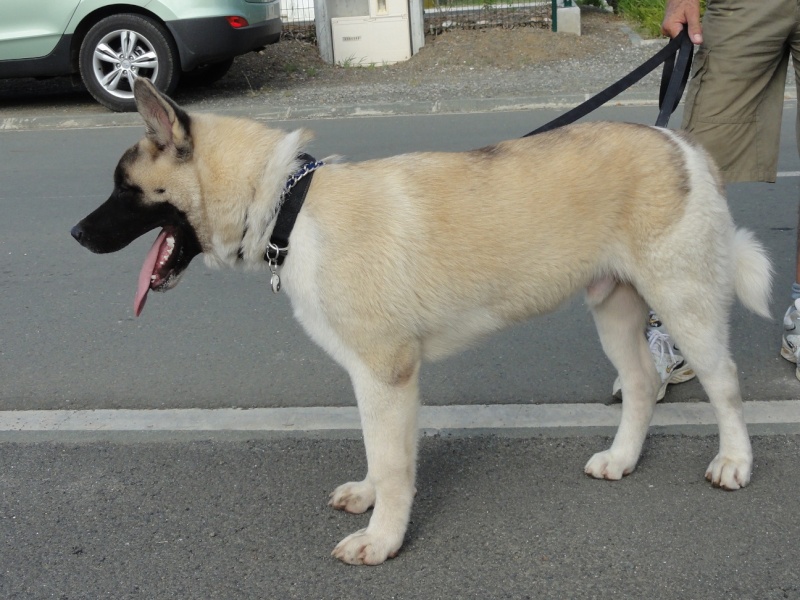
{"x":389,"y":422}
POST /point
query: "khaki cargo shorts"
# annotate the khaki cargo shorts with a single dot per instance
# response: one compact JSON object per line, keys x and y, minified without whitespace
{"x":734,"y":99}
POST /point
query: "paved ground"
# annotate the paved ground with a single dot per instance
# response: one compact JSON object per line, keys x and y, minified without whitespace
{"x":71,"y":310}
{"x":494,"y":518}
{"x":241,"y":514}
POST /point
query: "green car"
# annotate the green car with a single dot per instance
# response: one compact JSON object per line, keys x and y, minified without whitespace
{"x":111,"y":43}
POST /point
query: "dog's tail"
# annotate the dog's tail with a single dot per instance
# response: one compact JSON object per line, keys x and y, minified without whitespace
{"x":753,"y":272}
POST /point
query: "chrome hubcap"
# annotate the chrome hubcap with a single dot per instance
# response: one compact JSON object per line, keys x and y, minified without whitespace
{"x":119,"y":58}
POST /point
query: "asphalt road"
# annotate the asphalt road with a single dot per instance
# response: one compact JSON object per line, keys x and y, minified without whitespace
{"x":140,"y":515}
{"x":494,"y":518}
{"x":222,"y":339}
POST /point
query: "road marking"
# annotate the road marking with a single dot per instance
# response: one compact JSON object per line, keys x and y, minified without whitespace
{"x":433,"y":419}
{"x":788,"y":173}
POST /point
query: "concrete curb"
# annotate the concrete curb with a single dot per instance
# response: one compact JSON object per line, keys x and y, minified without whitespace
{"x":282,"y":113}
{"x":637,"y":40}
{"x":768,"y":417}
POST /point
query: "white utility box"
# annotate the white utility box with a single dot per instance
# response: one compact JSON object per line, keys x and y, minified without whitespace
{"x":381,"y":37}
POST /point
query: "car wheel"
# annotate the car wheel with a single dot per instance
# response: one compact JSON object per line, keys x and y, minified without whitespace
{"x":120,"y":48}
{"x":207,"y":74}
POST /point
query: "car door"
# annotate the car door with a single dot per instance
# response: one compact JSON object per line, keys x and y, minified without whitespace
{"x":32,"y":28}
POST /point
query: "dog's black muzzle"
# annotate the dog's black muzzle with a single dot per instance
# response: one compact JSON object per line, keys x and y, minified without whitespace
{"x":123,"y":218}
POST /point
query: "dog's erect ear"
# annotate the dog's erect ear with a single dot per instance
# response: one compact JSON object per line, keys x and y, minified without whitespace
{"x":168,"y":125}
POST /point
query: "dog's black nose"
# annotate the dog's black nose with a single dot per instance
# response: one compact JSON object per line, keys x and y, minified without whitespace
{"x":77,"y":232}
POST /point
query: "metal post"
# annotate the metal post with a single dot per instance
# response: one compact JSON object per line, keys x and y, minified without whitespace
{"x":554,"y":16}
{"x":324,"y":33}
{"x":416,"y":19}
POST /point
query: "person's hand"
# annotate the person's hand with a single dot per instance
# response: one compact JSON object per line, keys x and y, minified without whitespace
{"x":679,"y":13}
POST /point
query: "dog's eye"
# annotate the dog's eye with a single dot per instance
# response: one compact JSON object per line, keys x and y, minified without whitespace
{"x":160,"y":190}
{"x":128,"y":189}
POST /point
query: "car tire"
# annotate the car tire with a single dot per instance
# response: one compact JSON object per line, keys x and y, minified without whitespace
{"x":207,"y":74}
{"x":120,"y":48}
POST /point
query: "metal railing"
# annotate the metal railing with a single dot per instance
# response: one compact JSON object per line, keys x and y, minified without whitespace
{"x":442,"y":15}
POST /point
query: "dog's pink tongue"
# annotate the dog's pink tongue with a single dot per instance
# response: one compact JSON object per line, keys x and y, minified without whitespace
{"x":147,"y":271}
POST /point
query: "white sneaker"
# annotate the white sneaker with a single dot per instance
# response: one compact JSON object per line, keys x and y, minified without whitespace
{"x":670,"y":365}
{"x":790,"y":347}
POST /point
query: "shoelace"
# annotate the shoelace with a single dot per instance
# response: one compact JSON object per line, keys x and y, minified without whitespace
{"x":658,"y":341}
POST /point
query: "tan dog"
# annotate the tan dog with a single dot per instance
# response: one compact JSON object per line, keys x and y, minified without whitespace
{"x":397,"y":260}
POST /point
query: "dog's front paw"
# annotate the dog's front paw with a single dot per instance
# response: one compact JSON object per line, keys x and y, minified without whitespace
{"x":366,"y":548}
{"x":729,"y":472}
{"x":353,"y":497}
{"x":609,"y":465}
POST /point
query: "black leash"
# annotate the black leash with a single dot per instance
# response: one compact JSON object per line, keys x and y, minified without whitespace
{"x":677,"y":58}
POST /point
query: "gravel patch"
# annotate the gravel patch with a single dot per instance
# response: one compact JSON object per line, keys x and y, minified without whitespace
{"x":523,"y":62}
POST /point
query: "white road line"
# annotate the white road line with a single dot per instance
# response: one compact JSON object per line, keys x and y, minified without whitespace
{"x":788,"y":173}
{"x":432,"y":418}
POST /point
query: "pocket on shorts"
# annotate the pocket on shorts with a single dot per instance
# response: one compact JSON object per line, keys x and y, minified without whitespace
{"x":712,"y":97}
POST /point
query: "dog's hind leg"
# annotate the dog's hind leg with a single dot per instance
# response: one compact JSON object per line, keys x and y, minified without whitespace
{"x":388,"y":412}
{"x":699,"y":326}
{"x":731,"y":467}
{"x":620,"y":317}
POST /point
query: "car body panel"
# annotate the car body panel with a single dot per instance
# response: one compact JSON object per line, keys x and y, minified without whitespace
{"x":87,"y":7}
{"x":35,"y":33}
{"x":171,"y":10}
{"x":210,"y":40}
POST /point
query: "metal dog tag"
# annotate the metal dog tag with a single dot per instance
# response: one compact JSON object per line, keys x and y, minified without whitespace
{"x":275,"y":282}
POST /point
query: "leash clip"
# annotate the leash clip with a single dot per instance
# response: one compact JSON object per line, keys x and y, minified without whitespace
{"x":273,"y":253}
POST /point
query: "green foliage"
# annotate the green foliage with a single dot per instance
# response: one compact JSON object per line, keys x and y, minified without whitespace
{"x":647,"y":14}
{"x":351,"y":62}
